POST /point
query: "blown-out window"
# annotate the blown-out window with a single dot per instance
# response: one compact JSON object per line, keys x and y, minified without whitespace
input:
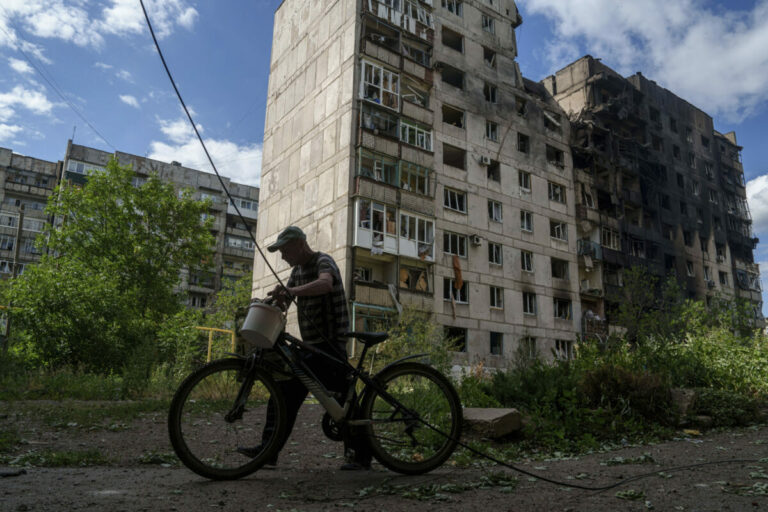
{"x":380,"y":85}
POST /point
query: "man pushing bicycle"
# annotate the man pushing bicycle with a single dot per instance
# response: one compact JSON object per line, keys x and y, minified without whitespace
{"x":316,"y":283}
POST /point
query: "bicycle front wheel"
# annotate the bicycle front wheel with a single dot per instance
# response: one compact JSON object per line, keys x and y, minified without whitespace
{"x":414,"y":418}
{"x":219,"y":408}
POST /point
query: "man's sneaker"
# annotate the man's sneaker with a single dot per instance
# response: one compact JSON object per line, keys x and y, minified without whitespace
{"x":354,"y":466}
{"x":253,"y":452}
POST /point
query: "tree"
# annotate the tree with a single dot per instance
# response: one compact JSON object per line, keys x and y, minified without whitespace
{"x":109,"y":279}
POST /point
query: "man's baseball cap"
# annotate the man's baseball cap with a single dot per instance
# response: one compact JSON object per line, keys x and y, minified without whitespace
{"x":288,"y":234}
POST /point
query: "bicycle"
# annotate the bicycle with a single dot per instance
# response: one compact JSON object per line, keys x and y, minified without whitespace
{"x":409,"y":413}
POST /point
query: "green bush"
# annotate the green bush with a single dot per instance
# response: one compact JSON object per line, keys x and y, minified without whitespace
{"x":726,"y":408}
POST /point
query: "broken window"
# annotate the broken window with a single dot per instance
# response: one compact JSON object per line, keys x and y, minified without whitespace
{"x":559,"y":269}
{"x":689,"y":134}
{"x":687,"y":238}
{"x":555,"y":156}
{"x":529,"y":308}
{"x":455,"y":200}
{"x":455,"y":157}
{"x":380,"y":85}
{"x":689,"y":268}
{"x":363,"y":274}
{"x":460,"y":296}
{"x":453,"y":116}
{"x":413,"y":92}
{"x":558,"y":230}
{"x":637,"y":248}
{"x":492,"y":131}
{"x":418,"y":52}
{"x":496,"y":343}
{"x":657,"y":143}
{"x":490,"y":93}
{"x":454,"y":7}
{"x":526,"y":221}
{"x":489,"y":24}
{"x":665,"y":201}
{"x":610,"y":238}
{"x":494,"y":211}
{"x":653,"y":113}
{"x":523,"y":143}
{"x":378,"y":167}
{"x":455,"y":244}
{"x":494,"y":253}
{"x":489,"y":56}
{"x":524,"y":180}
{"x":712,"y":196}
{"x":680,"y":180}
{"x":691,"y":160}
{"x":521,"y":106}
{"x":381,"y":34}
{"x":562,"y":308}
{"x":552,"y":121}
{"x":556,"y":192}
{"x":379,"y":121}
{"x":414,"y":178}
{"x":497,"y":297}
{"x":416,"y":135}
{"x":673,"y":125}
{"x":456,"y":335}
{"x":708,"y":170}
{"x":683,"y":208}
{"x":494,"y":171}
{"x":526,"y":261}
{"x":705,"y":142}
{"x":452,"y":39}
{"x":452,"y":76}
{"x":414,"y":279}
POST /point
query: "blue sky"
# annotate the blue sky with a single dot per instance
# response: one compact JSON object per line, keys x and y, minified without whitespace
{"x":98,"y":56}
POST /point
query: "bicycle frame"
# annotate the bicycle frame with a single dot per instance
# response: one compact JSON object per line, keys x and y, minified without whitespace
{"x":289,"y":354}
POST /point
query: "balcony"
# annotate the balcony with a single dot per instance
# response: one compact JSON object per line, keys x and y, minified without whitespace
{"x":589,"y":248}
{"x":373,"y":294}
{"x":589,"y":214}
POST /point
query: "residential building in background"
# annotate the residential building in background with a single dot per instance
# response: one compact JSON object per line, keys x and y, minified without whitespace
{"x":26,"y":182}
{"x":656,"y":186}
{"x":29,"y":182}
{"x":402,"y":137}
{"x":234,"y":247}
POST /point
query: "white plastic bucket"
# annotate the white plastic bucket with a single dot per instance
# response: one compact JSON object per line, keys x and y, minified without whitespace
{"x":262,"y":325}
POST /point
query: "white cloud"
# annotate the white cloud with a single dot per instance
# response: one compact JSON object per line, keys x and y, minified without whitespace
{"x":20,"y":66}
{"x":757,"y":197}
{"x":126,"y":17}
{"x":715,"y":60}
{"x":129,"y":100}
{"x":103,"y":65}
{"x":20,"y":96}
{"x":240,"y":163}
{"x":124,"y":75}
{"x":8,"y":131}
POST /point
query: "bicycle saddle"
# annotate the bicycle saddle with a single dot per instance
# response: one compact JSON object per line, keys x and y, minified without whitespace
{"x":368,"y":338}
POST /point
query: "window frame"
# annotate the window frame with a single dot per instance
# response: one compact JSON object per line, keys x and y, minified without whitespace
{"x":495,"y":212}
{"x":529,"y":304}
{"x":526,"y":221}
{"x":385,"y":76}
{"x":452,"y":196}
{"x":460,"y":245}
{"x":463,"y":292}
{"x":496,"y":297}
{"x":495,"y":250}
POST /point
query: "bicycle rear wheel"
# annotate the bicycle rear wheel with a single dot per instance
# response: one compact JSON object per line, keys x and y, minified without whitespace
{"x":398,"y":432}
{"x":206,"y":426}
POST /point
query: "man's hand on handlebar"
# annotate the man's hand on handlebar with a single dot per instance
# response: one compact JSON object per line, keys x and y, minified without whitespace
{"x":280,"y":296}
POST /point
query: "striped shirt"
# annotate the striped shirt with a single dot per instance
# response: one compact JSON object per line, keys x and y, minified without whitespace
{"x":321,"y":317}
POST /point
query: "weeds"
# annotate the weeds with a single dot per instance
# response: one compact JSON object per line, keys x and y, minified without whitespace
{"x":72,"y":414}
{"x":440,"y":492}
{"x":57,"y":459}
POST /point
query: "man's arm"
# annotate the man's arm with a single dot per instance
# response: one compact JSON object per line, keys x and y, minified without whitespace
{"x":320,"y":286}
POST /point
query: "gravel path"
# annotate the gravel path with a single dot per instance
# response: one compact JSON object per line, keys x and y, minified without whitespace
{"x":307,"y":477}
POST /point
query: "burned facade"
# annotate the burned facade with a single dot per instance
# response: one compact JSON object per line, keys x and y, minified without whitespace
{"x":657,"y":186}
{"x":401,"y":136}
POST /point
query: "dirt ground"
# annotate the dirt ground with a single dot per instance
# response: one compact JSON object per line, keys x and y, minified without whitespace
{"x":140,"y":474}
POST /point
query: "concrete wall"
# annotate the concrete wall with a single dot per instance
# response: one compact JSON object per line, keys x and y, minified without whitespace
{"x":307,"y":162}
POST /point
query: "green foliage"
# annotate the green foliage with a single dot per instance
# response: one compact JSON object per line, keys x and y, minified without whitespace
{"x":415,"y":333}
{"x":57,"y":459}
{"x":99,"y":299}
{"x":726,"y":408}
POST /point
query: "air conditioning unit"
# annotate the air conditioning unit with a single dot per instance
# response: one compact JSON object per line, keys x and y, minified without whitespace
{"x":475,"y":239}
{"x":484,"y":160}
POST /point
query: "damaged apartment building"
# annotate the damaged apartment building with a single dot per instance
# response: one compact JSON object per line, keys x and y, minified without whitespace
{"x":402,"y":137}
{"x":656,"y":186}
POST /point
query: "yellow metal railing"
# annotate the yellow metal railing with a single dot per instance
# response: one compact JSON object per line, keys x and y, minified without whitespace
{"x":211,"y":330}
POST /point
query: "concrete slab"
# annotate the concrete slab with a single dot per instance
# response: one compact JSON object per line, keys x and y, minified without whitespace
{"x":491,"y":422}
